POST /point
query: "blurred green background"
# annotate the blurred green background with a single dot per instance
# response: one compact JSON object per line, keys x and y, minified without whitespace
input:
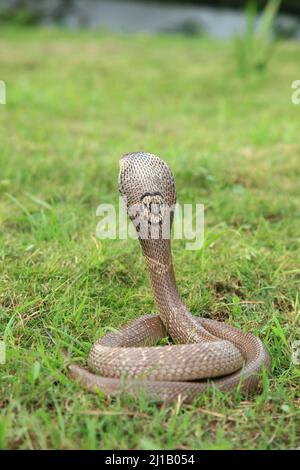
{"x":220,"y":112}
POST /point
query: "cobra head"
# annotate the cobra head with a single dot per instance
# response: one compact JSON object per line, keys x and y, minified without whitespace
{"x":148,"y":189}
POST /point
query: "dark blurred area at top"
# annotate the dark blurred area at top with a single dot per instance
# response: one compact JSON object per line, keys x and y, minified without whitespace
{"x":220,"y":18}
{"x":287,"y":6}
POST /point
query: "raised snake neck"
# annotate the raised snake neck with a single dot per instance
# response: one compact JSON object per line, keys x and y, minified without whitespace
{"x":207,"y":353}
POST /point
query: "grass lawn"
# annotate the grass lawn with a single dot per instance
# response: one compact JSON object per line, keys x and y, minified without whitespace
{"x":75,"y":103}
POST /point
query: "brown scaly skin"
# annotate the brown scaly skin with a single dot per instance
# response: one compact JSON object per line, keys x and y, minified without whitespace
{"x":207,"y":353}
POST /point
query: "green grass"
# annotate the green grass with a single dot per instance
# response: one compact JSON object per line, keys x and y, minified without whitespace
{"x":75,"y":103}
{"x":254,"y":49}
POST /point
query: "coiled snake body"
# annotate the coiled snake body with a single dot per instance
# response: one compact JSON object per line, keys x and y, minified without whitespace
{"x":206,"y":353}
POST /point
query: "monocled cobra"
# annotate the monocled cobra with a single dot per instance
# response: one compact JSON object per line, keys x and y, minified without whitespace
{"x":206,"y":354}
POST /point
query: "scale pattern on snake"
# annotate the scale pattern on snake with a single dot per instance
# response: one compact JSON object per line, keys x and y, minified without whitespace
{"x":206,"y":353}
